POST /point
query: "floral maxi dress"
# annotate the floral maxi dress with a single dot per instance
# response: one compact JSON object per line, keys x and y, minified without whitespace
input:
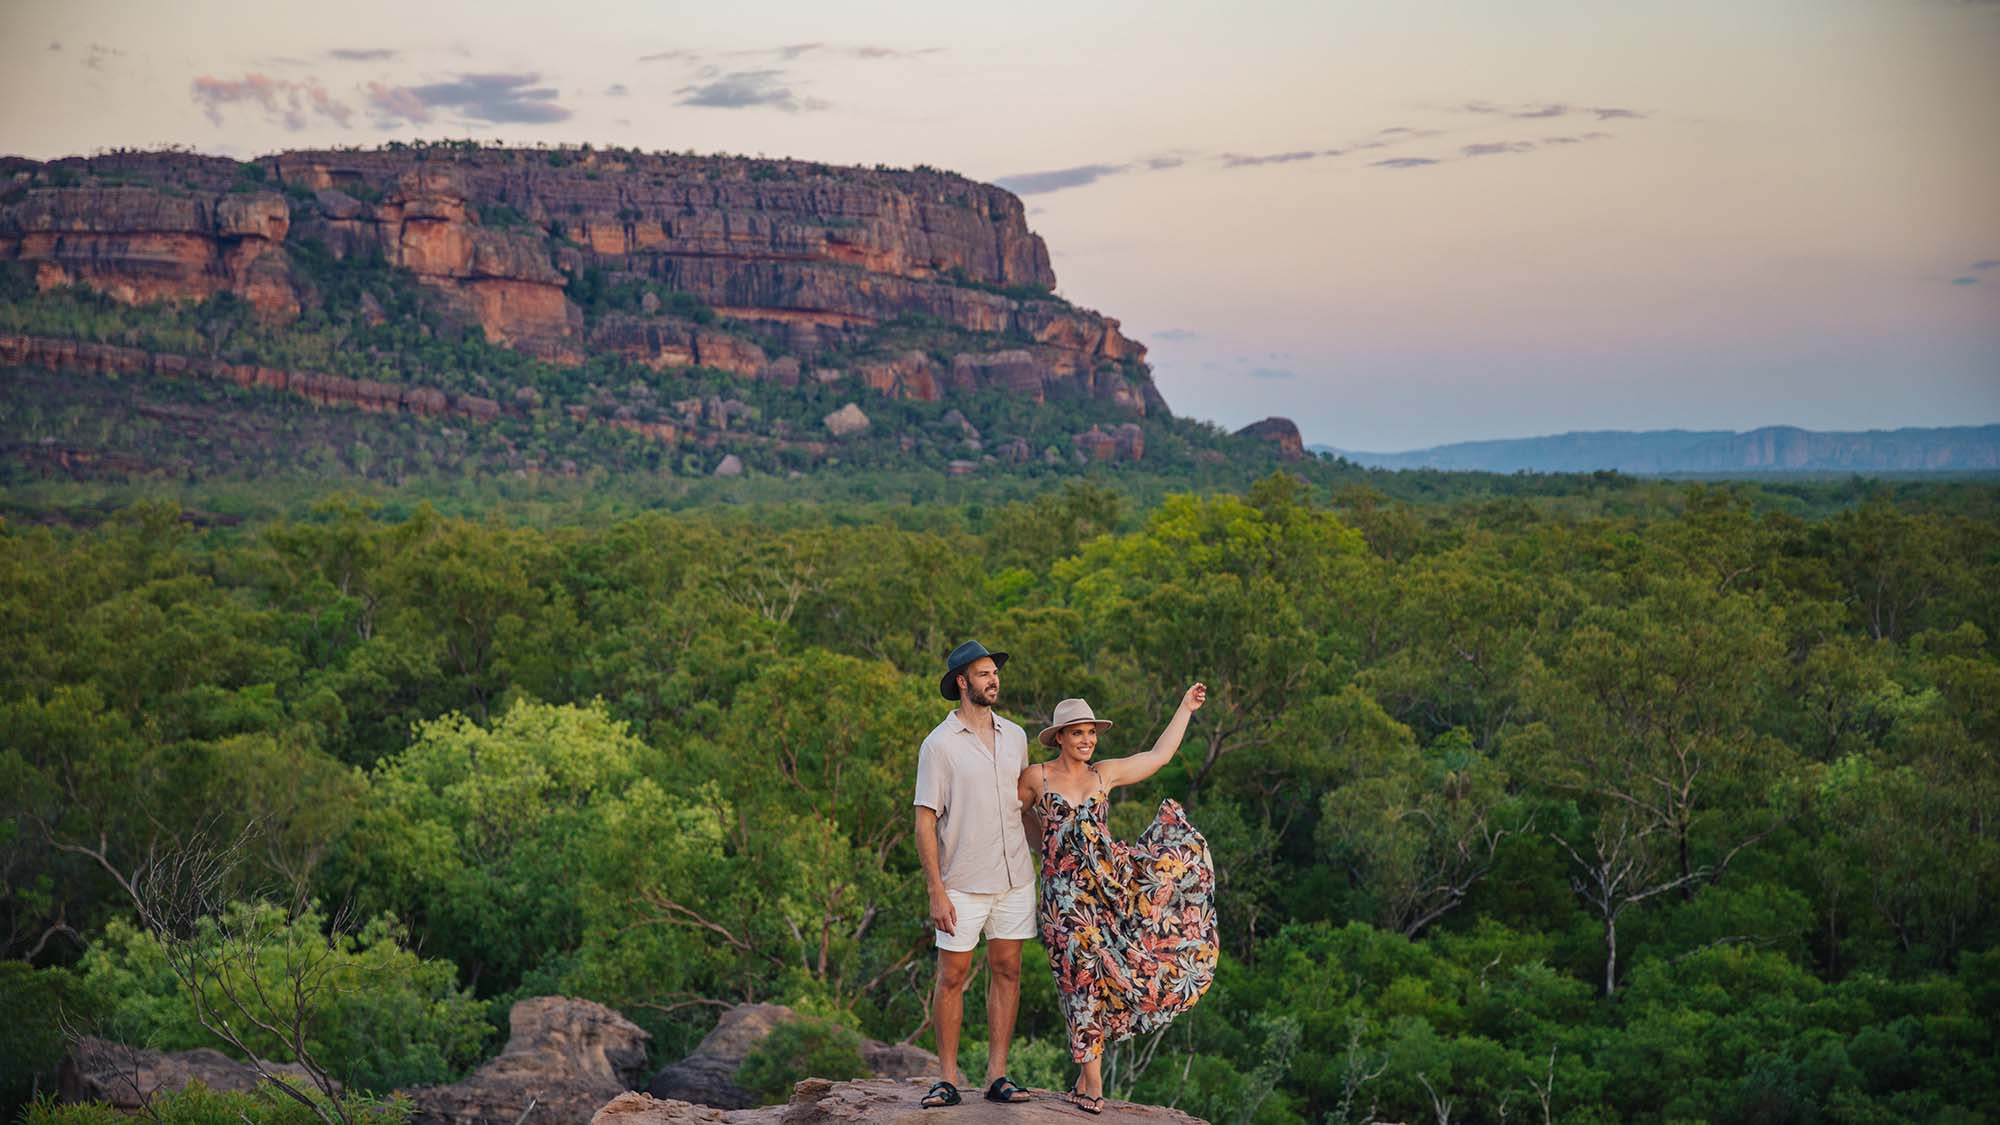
{"x":1129,"y":928}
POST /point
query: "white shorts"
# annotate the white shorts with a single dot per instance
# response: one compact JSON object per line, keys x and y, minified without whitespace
{"x":1009,"y":915}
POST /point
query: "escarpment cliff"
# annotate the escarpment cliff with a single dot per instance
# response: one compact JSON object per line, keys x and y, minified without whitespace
{"x":918,"y":284}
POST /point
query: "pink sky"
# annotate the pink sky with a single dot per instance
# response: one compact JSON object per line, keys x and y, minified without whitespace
{"x":1399,"y":224}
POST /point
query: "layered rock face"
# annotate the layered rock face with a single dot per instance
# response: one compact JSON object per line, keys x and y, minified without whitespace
{"x":138,"y":244}
{"x":819,"y":259}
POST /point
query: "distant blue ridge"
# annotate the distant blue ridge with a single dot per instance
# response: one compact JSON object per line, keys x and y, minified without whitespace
{"x":1772,"y":449}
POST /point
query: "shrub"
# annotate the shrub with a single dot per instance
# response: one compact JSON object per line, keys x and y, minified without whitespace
{"x":30,"y":1049}
{"x":199,"y":1105}
{"x":806,"y":1047}
{"x":378,"y":1016}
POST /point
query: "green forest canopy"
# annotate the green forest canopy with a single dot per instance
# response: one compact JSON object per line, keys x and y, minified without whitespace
{"x":1623,"y":803}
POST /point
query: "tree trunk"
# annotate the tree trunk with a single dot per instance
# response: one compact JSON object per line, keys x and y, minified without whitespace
{"x":1610,"y":954}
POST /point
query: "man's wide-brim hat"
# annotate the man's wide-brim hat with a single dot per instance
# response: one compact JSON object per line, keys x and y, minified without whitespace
{"x":1069,"y":713}
{"x":956,"y":662}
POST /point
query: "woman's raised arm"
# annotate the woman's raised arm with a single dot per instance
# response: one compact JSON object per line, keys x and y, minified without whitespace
{"x":1139,"y":767}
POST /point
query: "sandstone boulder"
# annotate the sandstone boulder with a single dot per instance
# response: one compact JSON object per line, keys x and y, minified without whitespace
{"x":338,"y":205}
{"x":730,"y":466}
{"x":97,"y":1070}
{"x":956,"y":420}
{"x":566,"y":1056}
{"x":846,"y":422}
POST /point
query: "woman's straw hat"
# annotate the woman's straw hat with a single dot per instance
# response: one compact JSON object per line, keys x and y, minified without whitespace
{"x":1069,"y":713}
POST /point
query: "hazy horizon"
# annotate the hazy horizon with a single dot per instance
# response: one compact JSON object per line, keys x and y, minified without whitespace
{"x":1401,"y":226}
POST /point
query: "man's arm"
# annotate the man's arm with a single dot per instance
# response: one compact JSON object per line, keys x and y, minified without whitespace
{"x":1031,"y":821}
{"x":944,"y":916}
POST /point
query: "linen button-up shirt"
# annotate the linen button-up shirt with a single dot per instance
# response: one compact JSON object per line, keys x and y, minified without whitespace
{"x":982,"y":846}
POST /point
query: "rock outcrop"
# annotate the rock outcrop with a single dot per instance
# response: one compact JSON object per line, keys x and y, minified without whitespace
{"x":566,"y":1056}
{"x":1279,"y":431}
{"x":139,"y":244}
{"x":97,"y":1070}
{"x":70,"y":356}
{"x":814,"y":257}
{"x":817,"y":1101}
{"x":708,"y":1076}
{"x":1123,"y":442}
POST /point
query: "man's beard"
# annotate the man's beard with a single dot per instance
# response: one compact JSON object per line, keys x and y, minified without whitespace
{"x":991,"y":696}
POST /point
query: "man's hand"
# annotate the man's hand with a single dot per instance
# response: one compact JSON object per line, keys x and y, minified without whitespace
{"x":944,"y":916}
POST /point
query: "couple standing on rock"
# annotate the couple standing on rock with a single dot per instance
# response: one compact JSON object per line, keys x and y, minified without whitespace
{"x":1129,"y":928}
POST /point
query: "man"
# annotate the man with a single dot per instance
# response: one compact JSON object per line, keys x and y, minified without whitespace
{"x":977,"y":866}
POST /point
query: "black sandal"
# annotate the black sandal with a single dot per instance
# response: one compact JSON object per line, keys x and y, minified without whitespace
{"x":945,"y":1092}
{"x":1004,"y":1088}
{"x":1082,"y":1101}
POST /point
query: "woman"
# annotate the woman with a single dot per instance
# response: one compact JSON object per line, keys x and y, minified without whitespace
{"x":1129,"y":928}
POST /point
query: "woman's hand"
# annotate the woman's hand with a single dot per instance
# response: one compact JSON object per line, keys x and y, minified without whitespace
{"x":1195,"y":697}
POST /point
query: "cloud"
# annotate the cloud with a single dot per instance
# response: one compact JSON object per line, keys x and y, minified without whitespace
{"x":792,"y":52}
{"x":1496,"y":148}
{"x":1175,"y":335}
{"x":289,"y":103}
{"x":1035,"y":183}
{"x":1404,"y":162}
{"x":867,"y":51}
{"x":1239,"y":160}
{"x":391,"y":102}
{"x":500,"y":98}
{"x":1532,"y":110}
{"x":1965,"y":281}
{"x":55,"y":44}
{"x":361,"y":54}
{"x":1578,"y":139}
{"x":97,"y":54}
{"x":1271,"y":373}
{"x":1987,"y":263}
{"x":616,"y":90}
{"x":748,"y":89}
{"x":1162,"y":163}
{"x":1383,"y":138}
{"x":871,"y":52}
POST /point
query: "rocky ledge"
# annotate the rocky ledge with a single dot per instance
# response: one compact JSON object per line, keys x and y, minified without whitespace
{"x":572,"y":1061}
{"x":817,"y":1101}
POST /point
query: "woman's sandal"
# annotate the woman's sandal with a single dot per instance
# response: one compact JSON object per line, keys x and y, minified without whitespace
{"x":1084,"y":1102}
{"x":945,"y":1093}
{"x":1004,"y":1089}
